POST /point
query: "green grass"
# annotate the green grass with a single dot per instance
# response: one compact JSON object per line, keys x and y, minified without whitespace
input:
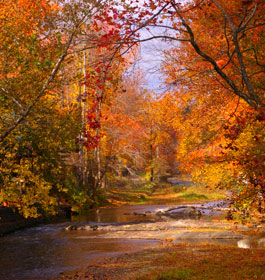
{"x":142,"y":198}
{"x":193,"y":196}
{"x":199,"y":192}
{"x":130,"y":191}
{"x":143,"y":192}
{"x":174,"y":274}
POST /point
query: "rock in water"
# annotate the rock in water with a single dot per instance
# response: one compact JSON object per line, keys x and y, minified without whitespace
{"x":183,"y":212}
{"x":71,"y":227}
{"x":94,"y":228}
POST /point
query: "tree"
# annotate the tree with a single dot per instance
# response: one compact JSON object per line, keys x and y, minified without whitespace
{"x":36,"y":128}
{"x":217,"y":64}
{"x":222,"y":35}
{"x":140,"y":137}
{"x":221,"y":134}
{"x":124,"y":129}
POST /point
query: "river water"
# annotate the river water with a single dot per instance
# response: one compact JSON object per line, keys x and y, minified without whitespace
{"x":44,"y":251}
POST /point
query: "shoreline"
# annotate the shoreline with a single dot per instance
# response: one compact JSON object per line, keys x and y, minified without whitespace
{"x":186,"y":261}
{"x":11,"y":221}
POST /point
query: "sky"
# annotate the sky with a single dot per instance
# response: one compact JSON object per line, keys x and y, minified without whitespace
{"x":151,"y":57}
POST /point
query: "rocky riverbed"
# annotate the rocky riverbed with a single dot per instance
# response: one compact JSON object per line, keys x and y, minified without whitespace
{"x":177,"y":224}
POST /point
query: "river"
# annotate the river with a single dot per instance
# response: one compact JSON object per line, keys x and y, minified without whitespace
{"x":44,"y":251}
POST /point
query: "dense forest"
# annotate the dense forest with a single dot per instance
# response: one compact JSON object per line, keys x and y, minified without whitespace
{"x":75,"y":117}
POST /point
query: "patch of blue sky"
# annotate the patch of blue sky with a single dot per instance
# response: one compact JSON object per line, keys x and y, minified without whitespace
{"x":151,"y":59}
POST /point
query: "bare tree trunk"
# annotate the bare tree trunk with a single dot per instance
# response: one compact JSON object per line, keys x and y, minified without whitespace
{"x":98,"y":166}
{"x":62,"y":98}
{"x":152,"y":162}
{"x":98,"y":159}
{"x":81,"y":140}
{"x":151,"y":154}
{"x":67,"y":96}
{"x":84,"y":167}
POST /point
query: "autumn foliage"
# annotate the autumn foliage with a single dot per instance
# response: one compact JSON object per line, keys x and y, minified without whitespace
{"x":215,"y":69}
{"x":74,"y":117}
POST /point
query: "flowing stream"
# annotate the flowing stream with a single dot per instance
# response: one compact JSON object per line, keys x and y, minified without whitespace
{"x":44,"y":251}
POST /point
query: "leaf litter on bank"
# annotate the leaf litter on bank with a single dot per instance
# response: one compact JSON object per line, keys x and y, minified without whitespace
{"x":182,"y":262}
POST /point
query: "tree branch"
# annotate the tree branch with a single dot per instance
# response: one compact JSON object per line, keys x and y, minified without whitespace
{"x":251,"y":100}
{"x":40,"y":94}
{"x":252,"y":95}
{"x":240,"y":28}
{"x":6,"y":94}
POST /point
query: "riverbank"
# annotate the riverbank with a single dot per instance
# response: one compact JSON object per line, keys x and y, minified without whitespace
{"x":179,"y":261}
{"x":125,"y":191}
{"x":178,"y":190}
{"x":176,"y":236}
{"x":11,"y":220}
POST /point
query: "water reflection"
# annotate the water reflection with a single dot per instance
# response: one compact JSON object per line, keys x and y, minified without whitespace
{"x":122,"y":214}
{"x":253,"y":242}
{"x":125,"y":214}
